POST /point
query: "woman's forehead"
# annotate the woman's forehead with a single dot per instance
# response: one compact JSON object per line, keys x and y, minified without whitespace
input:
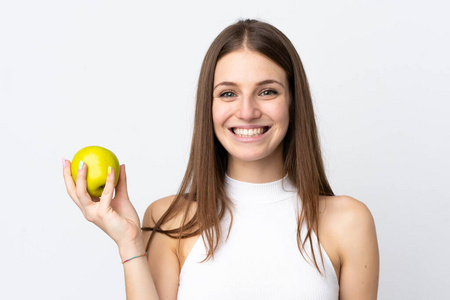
{"x":247,"y":66}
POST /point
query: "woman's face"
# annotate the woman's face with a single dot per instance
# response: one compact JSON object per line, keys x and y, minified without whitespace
{"x":250,"y":106}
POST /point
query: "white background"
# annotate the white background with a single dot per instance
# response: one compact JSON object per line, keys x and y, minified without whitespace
{"x":123,"y":75}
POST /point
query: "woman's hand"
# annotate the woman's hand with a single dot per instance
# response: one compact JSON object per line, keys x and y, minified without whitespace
{"x":115,"y":216}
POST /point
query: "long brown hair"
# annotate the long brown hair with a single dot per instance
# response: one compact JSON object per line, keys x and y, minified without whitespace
{"x":203,"y":181}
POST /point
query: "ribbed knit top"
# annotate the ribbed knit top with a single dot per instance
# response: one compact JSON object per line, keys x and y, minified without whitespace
{"x":260,"y":259}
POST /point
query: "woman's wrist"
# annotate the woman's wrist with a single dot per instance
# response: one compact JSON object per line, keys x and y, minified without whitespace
{"x":131,"y":249}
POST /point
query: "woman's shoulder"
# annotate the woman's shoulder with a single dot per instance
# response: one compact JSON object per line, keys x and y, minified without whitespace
{"x":346,"y":221}
{"x":156,"y":210}
{"x":345,"y":210}
{"x":345,"y":217}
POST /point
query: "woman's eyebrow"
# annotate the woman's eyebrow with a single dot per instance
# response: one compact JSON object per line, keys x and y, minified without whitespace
{"x":230,"y":83}
{"x":267,"y":81}
{"x":226,"y":83}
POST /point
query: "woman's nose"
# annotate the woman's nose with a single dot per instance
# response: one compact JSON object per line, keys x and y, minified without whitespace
{"x":248,"y":109}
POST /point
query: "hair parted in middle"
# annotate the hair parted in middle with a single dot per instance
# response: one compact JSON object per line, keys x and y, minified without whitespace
{"x":204,"y":179}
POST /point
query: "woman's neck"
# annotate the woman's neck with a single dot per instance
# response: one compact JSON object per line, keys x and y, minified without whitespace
{"x":261,"y":171}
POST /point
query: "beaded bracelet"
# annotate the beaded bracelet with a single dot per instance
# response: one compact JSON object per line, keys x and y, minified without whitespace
{"x":145,"y":254}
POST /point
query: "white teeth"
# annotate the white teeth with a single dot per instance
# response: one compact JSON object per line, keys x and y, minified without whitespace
{"x":248,"y":132}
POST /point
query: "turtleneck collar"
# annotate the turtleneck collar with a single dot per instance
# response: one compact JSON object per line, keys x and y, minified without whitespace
{"x":242,"y":192}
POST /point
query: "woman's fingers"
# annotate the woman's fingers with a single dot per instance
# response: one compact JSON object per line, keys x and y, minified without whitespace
{"x":121,"y":188}
{"x":70,"y":184}
{"x":68,"y":180}
{"x":80,"y":187}
{"x":108,"y":191}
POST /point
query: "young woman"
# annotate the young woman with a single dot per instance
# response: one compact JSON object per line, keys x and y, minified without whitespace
{"x":255,"y":217}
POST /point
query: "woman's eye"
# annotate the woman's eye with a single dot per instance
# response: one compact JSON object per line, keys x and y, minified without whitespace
{"x":227,"y":94}
{"x":268,"y":93}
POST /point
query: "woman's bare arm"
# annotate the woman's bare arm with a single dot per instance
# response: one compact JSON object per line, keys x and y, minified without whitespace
{"x":162,"y":254}
{"x":117,"y":217}
{"x":358,"y":251}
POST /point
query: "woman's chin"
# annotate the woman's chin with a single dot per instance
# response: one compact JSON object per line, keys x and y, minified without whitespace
{"x":251,"y":157}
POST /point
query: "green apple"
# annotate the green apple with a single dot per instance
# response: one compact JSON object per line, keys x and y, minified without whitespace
{"x":97,"y":159}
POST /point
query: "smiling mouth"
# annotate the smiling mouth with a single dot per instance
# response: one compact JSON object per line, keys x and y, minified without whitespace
{"x":252,"y":132}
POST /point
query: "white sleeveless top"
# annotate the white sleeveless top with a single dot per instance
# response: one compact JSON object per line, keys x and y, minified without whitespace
{"x":260,"y":259}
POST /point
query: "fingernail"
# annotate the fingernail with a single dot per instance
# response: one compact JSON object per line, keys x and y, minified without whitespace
{"x":63,"y":162}
{"x":109,"y":170}
{"x":80,"y":166}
